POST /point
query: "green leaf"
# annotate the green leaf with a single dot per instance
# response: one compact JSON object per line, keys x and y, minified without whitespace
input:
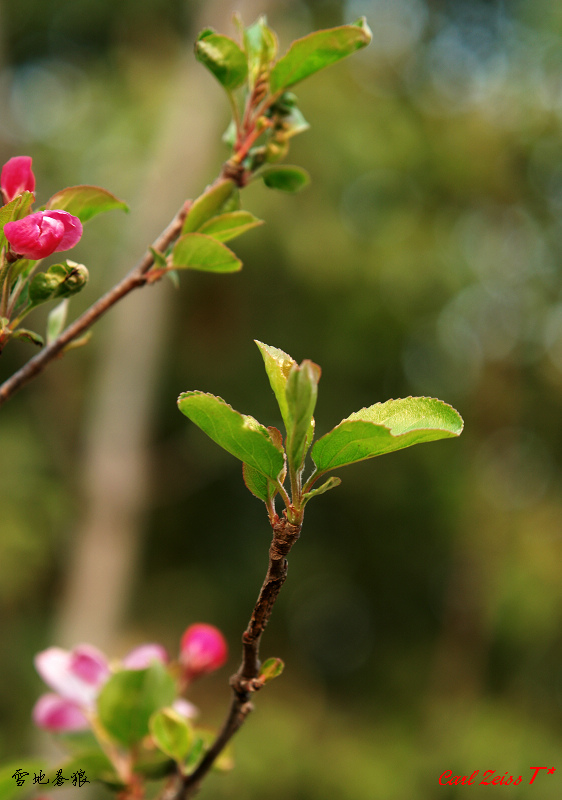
{"x":301,"y":392}
{"x":285,"y":178}
{"x":198,"y":251}
{"x":85,"y":202}
{"x":239,"y":434}
{"x":261,"y":46}
{"x":229,"y":226}
{"x":223,"y":57}
{"x":270,"y":669}
{"x":261,"y":487}
{"x":28,"y":336}
{"x":56,"y":320}
{"x":9,"y":789}
{"x":316,"y":51}
{"x":277,"y":366}
{"x":80,"y":342}
{"x":93,"y":763}
{"x":16,"y":209}
{"x":384,"y":428}
{"x":256,"y":482}
{"x":208,"y":205}
{"x":153,"y":764}
{"x":172,"y":733}
{"x":130,"y":697}
{"x":159,"y":258}
{"x":331,"y":483}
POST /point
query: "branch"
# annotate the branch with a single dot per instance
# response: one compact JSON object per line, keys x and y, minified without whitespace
{"x":246,"y":680}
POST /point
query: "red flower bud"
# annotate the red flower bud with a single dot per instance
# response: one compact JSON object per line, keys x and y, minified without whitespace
{"x":38,"y":235}
{"x":203,"y":649}
{"x":17,"y":177}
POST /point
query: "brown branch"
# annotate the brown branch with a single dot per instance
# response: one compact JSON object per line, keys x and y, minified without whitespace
{"x":245,"y":681}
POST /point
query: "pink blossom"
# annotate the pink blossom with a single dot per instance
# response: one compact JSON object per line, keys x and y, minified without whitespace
{"x":54,"y":713}
{"x":203,"y":649}
{"x":42,"y":233}
{"x":144,"y":655}
{"x":17,"y":177}
{"x":76,"y":675}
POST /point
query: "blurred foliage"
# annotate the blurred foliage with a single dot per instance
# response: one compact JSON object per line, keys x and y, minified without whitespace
{"x":424,"y":258}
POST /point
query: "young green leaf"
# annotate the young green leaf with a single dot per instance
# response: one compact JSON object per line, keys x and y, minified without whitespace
{"x":229,"y":226}
{"x":57,"y":320}
{"x":331,"y":483}
{"x":223,"y":57}
{"x":316,"y":51}
{"x":79,"y":342}
{"x":286,"y":178}
{"x":256,"y":482}
{"x":95,"y":765}
{"x":198,"y":251}
{"x":172,"y":733}
{"x":384,"y":428}
{"x":85,"y":202}
{"x":130,"y":697}
{"x":25,"y":335}
{"x":159,"y":258}
{"x":277,"y":366}
{"x":239,"y":434}
{"x":261,"y":45}
{"x":301,"y":392}
{"x":208,"y":205}
{"x":270,"y":669}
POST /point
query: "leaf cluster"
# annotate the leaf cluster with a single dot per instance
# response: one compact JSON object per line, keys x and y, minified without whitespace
{"x":258,"y":83}
{"x":268,"y":457}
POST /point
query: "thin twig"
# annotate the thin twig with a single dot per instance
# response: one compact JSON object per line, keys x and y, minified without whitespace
{"x":246,"y":680}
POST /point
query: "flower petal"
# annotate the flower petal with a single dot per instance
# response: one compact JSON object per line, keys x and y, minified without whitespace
{"x":143,"y":656}
{"x":54,"y":713}
{"x":34,"y":236}
{"x":76,"y":675}
{"x":72,"y":228}
{"x":45,"y":232}
{"x":89,"y":664}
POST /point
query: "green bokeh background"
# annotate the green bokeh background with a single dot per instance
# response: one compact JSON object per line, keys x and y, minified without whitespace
{"x":420,"y":623}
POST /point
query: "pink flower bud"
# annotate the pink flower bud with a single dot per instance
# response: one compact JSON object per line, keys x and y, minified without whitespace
{"x":143,"y":656}
{"x":203,"y":649}
{"x":76,"y":675}
{"x":54,"y":713}
{"x":17,"y":177}
{"x":38,"y":235}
